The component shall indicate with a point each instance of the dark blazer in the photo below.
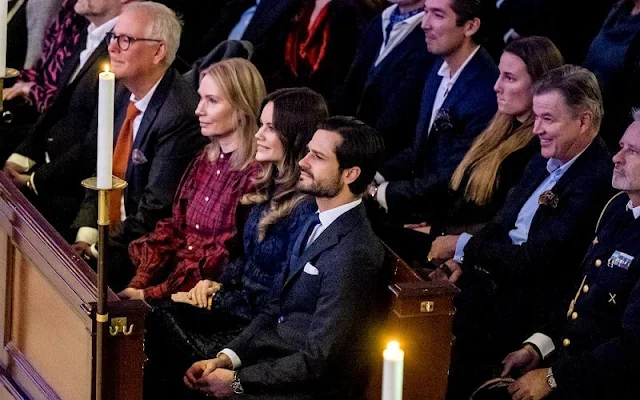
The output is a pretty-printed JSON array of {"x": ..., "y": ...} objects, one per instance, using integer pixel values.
[
  {"x": 267, "y": 30},
  {"x": 61, "y": 133},
  {"x": 167, "y": 140},
  {"x": 602, "y": 359},
  {"x": 429, "y": 163},
  {"x": 386, "y": 96},
  {"x": 532, "y": 279},
  {"x": 305, "y": 339}
]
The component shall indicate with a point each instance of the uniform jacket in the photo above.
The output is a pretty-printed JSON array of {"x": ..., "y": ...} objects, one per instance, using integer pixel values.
[
  {"x": 386, "y": 96},
  {"x": 600, "y": 349},
  {"x": 429, "y": 163},
  {"x": 306, "y": 339},
  {"x": 167, "y": 140},
  {"x": 532, "y": 279}
]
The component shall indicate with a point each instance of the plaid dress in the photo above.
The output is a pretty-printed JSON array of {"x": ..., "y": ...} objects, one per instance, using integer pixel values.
[{"x": 196, "y": 242}]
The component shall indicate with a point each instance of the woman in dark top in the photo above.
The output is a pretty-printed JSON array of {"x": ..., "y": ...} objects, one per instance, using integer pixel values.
[
  {"x": 215, "y": 312},
  {"x": 614, "y": 57},
  {"x": 494, "y": 163}
]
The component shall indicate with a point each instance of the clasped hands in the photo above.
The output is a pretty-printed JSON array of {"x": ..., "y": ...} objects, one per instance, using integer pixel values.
[
  {"x": 16, "y": 174},
  {"x": 211, "y": 377},
  {"x": 442, "y": 251},
  {"x": 200, "y": 296},
  {"x": 533, "y": 384}
]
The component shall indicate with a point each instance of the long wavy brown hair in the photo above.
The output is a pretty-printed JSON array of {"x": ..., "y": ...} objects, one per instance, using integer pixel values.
[
  {"x": 296, "y": 113},
  {"x": 501, "y": 138}
]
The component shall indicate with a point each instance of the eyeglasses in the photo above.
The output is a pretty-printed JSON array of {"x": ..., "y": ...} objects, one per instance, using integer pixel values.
[{"x": 125, "y": 41}]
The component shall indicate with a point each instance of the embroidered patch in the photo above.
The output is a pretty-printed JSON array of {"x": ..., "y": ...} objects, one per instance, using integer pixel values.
[{"x": 620, "y": 260}]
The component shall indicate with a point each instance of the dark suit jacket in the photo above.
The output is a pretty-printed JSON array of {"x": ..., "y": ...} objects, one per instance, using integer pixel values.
[
  {"x": 603, "y": 357},
  {"x": 306, "y": 339},
  {"x": 429, "y": 163},
  {"x": 167, "y": 140},
  {"x": 61, "y": 133},
  {"x": 386, "y": 96},
  {"x": 267, "y": 30},
  {"x": 532, "y": 279}
]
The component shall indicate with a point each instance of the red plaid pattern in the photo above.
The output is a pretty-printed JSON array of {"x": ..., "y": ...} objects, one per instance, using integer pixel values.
[{"x": 194, "y": 243}]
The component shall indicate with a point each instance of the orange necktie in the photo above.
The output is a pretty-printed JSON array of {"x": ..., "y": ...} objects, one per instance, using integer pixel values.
[{"x": 121, "y": 155}]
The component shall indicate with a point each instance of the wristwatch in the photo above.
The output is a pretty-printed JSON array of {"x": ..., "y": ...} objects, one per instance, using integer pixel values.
[
  {"x": 236, "y": 386},
  {"x": 551, "y": 380}
]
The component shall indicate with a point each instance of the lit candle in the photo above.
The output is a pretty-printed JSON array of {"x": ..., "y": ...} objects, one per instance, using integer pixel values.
[
  {"x": 4, "y": 9},
  {"x": 106, "y": 88},
  {"x": 392, "y": 371}
]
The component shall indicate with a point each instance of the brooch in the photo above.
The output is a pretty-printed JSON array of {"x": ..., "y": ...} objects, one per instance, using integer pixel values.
[{"x": 549, "y": 199}]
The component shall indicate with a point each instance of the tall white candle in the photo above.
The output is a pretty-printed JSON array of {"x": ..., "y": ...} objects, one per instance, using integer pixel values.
[
  {"x": 392, "y": 371},
  {"x": 4, "y": 10},
  {"x": 106, "y": 96}
]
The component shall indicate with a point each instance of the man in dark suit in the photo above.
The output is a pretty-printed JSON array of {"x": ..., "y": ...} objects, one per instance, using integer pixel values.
[
  {"x": 305, "y": 341},
  {"x": 384, "y": 85},
  {"x": 517, "y": 269},
  {"x": 165, "y": 132},
  {"x": 458, "y": 102},
  {"x": 598, "y": 339},
  {"x": 52, "y": 160}
]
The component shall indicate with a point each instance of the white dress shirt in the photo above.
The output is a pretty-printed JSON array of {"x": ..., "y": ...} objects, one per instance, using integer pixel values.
[
  {"x": 95, "y": 36},
  {"x": 398, "y": 33}
]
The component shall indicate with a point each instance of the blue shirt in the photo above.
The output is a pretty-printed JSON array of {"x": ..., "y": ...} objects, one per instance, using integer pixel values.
[
  {"x": 238, "y": 31},
  {"x": 520, "y": 233}
]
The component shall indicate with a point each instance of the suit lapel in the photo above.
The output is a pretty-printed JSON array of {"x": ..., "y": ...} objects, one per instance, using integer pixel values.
[
  {"x": 461, "y": 85},
  {"x": 73, "y": 61},
  {"x": 267, "y": 14},
  {"x": 327, "y": 239},
  {"x": 398, "y": 53},
  {"x": 426, "y": 105},
  {"x": 98, "y": 54}
]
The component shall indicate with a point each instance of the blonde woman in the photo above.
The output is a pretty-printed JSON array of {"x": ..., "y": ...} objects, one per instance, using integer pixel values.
[{"x": 202, "y": 234}]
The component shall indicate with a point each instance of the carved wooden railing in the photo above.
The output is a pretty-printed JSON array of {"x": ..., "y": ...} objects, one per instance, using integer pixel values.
[{"x": 46, "y": 323}]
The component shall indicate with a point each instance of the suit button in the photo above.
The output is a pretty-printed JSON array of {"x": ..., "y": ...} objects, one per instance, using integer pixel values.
[
  {"x": 280, "y": 320},
  {"x": 598, "y": 263},
  {"x": 574, "y": 316},
  {"x": 566, "y": 342},
  {"x": 585, "y": 289}
]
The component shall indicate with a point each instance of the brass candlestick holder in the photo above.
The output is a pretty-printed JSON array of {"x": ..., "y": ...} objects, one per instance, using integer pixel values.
[
  {"x": 8, "y": 74},
  {"x": 102, "y": 313}
]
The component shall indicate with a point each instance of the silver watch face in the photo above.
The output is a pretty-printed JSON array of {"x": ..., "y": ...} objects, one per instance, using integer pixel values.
[{"x": 551, "y": 381}]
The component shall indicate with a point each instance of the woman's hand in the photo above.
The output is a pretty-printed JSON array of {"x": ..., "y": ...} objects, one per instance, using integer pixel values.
[{"x": 201, "y": 294}]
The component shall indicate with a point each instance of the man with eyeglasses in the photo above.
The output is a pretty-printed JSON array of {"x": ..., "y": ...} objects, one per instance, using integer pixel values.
[
  {"x": 50, "y": 162},
  {"x": 157, "y": 133}
]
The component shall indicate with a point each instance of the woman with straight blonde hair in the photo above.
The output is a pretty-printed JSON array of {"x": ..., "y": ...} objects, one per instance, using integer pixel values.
[
  {"x": 202, "y": 234},
  {"x": 496, "y": 160}
]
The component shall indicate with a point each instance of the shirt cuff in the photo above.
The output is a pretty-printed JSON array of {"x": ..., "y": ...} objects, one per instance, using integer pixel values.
[
  {"x": 87, "y": 234},
  {"x": 542, "y": 342},
  {"x": 235, "y": 360},
  {"x": 381, "y": 195},
  {"x": 379, "y": 178},
  {"x": 23, "y": 162},
  {"x": 460, "y": 245}
]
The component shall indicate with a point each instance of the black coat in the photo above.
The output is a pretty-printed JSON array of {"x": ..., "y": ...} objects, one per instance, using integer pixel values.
[{"x": 530, "y": 280}]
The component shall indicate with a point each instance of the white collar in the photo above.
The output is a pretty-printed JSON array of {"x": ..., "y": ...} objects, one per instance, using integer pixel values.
[
  {"x": 553, "y": 164},
  {"x": 386, "y": 16},
  {"x": 143, "y": 103},
  {"x": 445, "y": 71},
  {"x": 327, "y": 217},
  {"x": 99, "y": 32},
  {"x": 634, "y": 210}
]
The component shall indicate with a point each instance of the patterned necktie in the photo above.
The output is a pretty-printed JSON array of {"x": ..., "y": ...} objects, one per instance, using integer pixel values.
[{"x": 121, "y": 155}]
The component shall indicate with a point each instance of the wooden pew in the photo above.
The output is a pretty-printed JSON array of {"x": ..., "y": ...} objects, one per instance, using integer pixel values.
[
  {"x": 46, "y": 326},
  {"x": 419, "y": 317}
]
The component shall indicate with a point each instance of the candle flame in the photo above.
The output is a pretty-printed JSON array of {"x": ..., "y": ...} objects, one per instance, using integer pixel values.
[
  {"x": 107, "y": 67},
  {"x": 393, "y": 345}
]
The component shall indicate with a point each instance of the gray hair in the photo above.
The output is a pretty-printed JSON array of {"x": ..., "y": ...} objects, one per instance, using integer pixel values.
[
  {"x": 578, "y": 86},
  {"x": 164, "y": 25}
]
